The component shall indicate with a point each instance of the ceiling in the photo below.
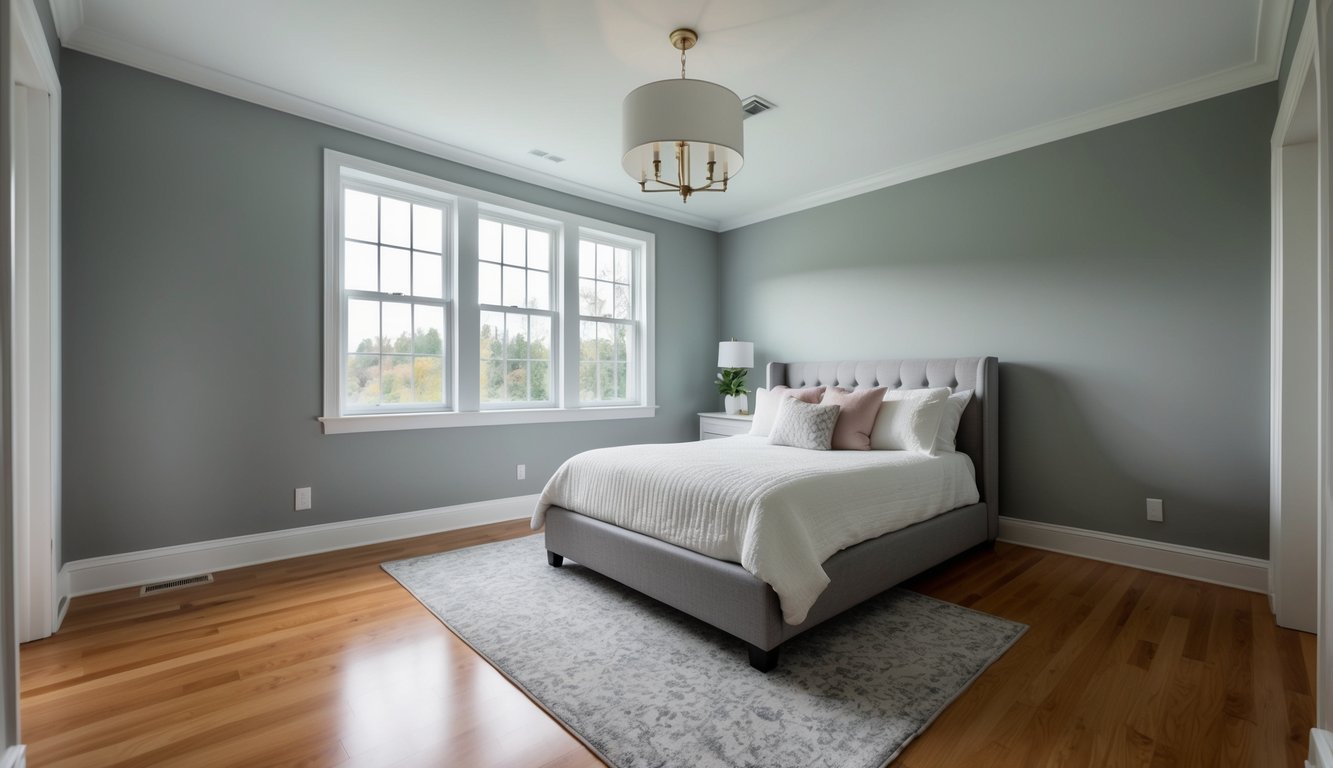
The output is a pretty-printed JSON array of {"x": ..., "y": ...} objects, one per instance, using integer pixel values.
[{"x": 868, "y": 92}]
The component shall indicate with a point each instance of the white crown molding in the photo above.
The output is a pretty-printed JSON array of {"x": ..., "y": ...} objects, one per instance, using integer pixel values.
[
  {"x": 97, "y": 43},
  {"x": 30, "y": 28},
  {"x": 68, "y": 16},
  {"x": 1271, "y": 33},
  {"x": 100, "y": 574},
  {"x": 1247, "y": 573},
  {"x": 1142, "y": 106},
  {"x": 1302, "y": 59},
  {"x": 1269, "y": 38}
]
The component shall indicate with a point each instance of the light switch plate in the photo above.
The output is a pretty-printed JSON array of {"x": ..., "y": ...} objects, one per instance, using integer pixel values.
[{"x": 1154, "y": 510}]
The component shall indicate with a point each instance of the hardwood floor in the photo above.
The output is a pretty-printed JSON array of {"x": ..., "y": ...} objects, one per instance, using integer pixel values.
[{"x": 325, "y": 660}]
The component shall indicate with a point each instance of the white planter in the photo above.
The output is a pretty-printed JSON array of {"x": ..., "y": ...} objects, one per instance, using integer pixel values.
[{"x": 736, "y": 404}]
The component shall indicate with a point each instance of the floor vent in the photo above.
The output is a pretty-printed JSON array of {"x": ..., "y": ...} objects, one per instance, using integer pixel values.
[
  {"x": 163, "y": 586},
  {"x": 753, "y": 105}
]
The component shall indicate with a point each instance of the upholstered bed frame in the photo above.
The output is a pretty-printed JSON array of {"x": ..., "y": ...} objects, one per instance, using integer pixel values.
[{"x": 727, "y": 596}]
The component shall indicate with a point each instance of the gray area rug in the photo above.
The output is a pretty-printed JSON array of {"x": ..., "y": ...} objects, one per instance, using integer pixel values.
[{"x": 645, "y": 685}]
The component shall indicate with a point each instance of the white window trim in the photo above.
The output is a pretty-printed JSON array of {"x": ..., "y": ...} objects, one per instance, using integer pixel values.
[
  {"x": 642, "y": 294},
  {"x": 447, "y": 302},
  {"x": 388, "y": 422},
  {"x": 463, "y": 409},
  {"x": 556, "y": 276}
]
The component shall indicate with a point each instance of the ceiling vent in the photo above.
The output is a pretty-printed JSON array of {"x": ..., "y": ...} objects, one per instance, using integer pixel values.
[
  {"x": 543, "y": 153},
  {"x": 753, "y": 105}
]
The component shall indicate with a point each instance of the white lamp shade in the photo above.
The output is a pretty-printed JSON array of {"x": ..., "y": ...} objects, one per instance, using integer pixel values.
[
  {"x": 735, "y": 354},
  {"x": 704, "y": 114}
]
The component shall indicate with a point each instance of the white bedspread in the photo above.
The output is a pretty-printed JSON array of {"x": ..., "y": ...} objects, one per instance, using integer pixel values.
[{"x": 780, "y": 512}]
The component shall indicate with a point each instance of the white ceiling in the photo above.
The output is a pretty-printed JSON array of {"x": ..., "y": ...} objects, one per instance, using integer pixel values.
[{"x": 869, "y": 92}]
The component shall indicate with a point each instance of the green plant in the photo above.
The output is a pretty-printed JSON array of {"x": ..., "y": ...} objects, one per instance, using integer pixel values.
[{"x": 731, "y": 381}]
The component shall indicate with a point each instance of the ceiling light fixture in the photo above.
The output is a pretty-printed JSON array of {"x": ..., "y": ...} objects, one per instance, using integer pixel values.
[{"x": 697, "y": 121}]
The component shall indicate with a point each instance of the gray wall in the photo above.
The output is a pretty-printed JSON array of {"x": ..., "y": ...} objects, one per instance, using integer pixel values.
[
  {"x": 1121, "y": 277},
  {"x": 192, "y": 306}
]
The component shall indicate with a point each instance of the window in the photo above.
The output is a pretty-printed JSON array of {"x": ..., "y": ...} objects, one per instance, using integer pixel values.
[
  {"x": 450, "y": 306},
  {"x": 393, "y": 298},
  {"x": 608, "y": 325},
  {"x": 515, "y": 293}
]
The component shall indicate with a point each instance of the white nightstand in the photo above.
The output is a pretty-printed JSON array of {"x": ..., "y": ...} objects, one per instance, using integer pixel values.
[{"x": 715, "y": 425}]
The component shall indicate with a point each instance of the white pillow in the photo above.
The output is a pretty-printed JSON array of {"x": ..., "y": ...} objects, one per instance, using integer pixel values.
[
  {"x": 804, "y": 425},
  {"x": 908, "y": 420},
  {"x": 765, "y": 410},
  {"x": 949, "y": 421},
  {"x": 766, "y": 402}
]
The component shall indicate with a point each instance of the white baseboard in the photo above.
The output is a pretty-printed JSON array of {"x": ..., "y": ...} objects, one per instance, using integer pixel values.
[
  {"x": 1321, "y": 749},
  {"x": 1246, "y": 573},
  {"x": 63, "y": 596},
  {"x": 100, "y": 574},
  {"x": 14, "y": 757}
]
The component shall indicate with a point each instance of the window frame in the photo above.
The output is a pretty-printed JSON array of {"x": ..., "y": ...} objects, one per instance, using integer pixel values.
[
  {"x": 635, "y": 322},
  {"x": 446, "y": 301},
  {"x": 556, "y": 277},
  {"x": 463, "y": 311}
]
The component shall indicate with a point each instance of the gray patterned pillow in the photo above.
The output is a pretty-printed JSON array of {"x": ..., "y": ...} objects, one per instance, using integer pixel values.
[{"x": 804, "y": 425}]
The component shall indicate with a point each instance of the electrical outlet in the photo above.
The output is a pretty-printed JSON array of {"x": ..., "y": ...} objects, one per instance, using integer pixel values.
[
  {"x": 302, "y": 499},
  {"x": 1154, "y": 510},
  {"x": 522, "y": 471}
]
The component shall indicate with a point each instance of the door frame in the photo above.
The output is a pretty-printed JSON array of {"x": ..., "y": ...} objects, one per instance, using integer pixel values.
[
  {"x": 1294, "y": 468},
  {"x": 36, "y": 102},
  {"x": 1319, "y": 19}
]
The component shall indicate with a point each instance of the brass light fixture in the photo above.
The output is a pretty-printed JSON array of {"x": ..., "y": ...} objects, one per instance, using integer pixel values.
[{"x": 695, "y": 124}]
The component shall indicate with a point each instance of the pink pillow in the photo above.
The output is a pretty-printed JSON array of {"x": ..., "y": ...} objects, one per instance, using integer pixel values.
[
  {"x": 857, "y": 418},
  {"x": 766, "y": 402},
  {"x": 808, "y": 395}
]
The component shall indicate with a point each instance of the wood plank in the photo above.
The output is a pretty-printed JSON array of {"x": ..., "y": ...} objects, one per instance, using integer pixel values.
[{"x": 325, "y": 660}]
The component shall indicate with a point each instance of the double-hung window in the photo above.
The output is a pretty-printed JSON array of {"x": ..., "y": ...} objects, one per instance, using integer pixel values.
[
  {"x": 516, "y": 295},
  {"x": 608, "y": 321},
  {"x": 394, "y": 300},
  {"x": 450, "y": 306}
]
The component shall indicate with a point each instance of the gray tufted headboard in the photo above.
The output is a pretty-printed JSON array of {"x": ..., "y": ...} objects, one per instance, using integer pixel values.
[{"x": 979, "y": 431}]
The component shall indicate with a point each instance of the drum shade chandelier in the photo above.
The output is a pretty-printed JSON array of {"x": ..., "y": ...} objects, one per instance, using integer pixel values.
[{"x": 693, "y": 127}]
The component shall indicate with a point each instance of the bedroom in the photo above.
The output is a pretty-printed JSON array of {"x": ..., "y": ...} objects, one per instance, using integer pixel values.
[{"x": 1086, "y": 195}]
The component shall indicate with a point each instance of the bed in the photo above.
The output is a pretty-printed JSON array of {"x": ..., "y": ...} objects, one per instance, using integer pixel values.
[{"x": 727, "y": 596}]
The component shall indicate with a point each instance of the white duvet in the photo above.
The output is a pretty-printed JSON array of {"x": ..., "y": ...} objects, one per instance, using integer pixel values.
[{"x": 780, "y": 512}]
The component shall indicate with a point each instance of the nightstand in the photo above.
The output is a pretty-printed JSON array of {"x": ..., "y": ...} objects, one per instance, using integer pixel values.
[{"x": 715, "y": 425}]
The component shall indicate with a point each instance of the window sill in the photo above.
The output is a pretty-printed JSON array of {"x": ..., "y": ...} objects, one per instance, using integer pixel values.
[{"x": 388, "y": 422}]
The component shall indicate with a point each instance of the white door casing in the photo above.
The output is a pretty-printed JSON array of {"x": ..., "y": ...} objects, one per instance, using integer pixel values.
[
  {"x": 1294, "y": 467},
  {"x": 35, "y": 335}
]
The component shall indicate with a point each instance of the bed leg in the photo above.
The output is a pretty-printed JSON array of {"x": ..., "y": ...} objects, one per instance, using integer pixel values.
[
  {"x": 554, "y": 560},
  {"x": 762, "y": 660}
]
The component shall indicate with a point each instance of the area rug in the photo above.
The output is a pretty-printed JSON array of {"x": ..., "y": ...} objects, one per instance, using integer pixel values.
[{"x": 645, "y": 685}]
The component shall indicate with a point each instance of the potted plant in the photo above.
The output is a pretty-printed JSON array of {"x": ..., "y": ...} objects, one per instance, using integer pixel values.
[{"x": 731, "y": 383}]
